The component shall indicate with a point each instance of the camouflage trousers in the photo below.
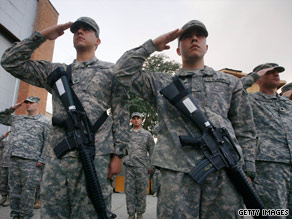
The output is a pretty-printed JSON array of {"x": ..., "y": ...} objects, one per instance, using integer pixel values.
[
  {"x": 136, "y": 183},
  {"x": 4, "y": 188},
  {"x": 38, "y": 188},
  {"x": 24, "y": 176},
  {"x": 272, "y": 183},
  {"x": 181, "y": 197},
  {"x": 290, "y": 201},
  {"x": 63, "y": 190},
  {"x": 156, "y": 180}
]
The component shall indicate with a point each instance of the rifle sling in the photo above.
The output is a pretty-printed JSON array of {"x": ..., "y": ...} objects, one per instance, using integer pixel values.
[
  {"x": 79, "y": 106},
  {"x": 65, "y": 145}
]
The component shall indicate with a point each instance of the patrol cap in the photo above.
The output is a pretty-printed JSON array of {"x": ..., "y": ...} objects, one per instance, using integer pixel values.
[
  {"x": 32, "y": 99},
  {"x": 287, "y": 87},
  {"x": 269, "y": 65},
  {"x": 137, "y": 114},
  {"x": 87, "y": 21},
  {"x": 194, "y": 24}
]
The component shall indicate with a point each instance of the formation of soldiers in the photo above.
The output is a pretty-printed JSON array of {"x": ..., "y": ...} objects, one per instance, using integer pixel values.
[{"x": 260, "y": 124}]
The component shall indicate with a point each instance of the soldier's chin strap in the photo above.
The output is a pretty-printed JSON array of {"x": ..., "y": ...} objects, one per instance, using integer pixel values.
[{"x": 215, "y": 143}]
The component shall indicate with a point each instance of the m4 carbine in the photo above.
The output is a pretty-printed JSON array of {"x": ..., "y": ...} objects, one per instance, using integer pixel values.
[
  {"x": 79, "y": 136},
  {"x": 215, "y": 143}
]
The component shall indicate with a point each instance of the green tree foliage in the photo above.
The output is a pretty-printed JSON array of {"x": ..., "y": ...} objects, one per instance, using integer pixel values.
[{"x": 155, "y": 63}]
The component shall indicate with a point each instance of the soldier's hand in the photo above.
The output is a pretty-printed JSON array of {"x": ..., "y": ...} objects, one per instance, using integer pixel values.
[
  {"x": 39, "y": 164},
  {"x": 53, "y": 32},
  {"x": 115, "y": 166},
  {"x": 150, "y": 171},
  {"x": 265, "y": 71},
  {"x": 162, "y": 41},
  {"x": 6, "y": 134},
  {"x": 16, "y": 106}
]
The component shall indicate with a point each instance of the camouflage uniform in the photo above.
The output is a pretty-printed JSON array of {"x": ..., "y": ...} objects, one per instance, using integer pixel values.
[
  {"x": 63, "y": 192},
  {"x": 287, "y": 87},
  {"x": 272, "y": 116},
  {"x": 287, "y": 90},
  {"x": 156, "y": 178},
  {"x": 4, "y": 163},
  {"x": 28, "y": 137},
  {"x": 137, "y": 163},
  {"x": 223, "y": 100}
]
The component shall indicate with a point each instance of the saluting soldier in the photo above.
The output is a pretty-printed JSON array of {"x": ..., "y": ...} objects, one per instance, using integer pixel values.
[
  {"x": 273, "y": 120},
  {"x": 63, "y": 192},
  {"x": 224, "y": 102},
  {"x": 27, "y": 141}
]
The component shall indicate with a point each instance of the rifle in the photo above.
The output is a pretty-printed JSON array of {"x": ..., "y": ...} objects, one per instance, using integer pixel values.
[
  {"x": 79, "y": 136},
  {"x": 215, "y": 144}
]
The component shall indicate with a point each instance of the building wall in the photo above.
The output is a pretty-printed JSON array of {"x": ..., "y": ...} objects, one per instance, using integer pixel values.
[
  {"x": 46, "y": 16},
  {"x": 18, "y": 16},
  {"x": 16, "y": 23}
]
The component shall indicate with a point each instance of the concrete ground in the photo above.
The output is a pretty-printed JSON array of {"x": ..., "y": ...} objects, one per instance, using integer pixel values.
[{"x": 118, "y": 207}]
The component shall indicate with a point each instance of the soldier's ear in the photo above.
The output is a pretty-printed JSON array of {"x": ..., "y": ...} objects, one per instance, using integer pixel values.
[{"x": 98, "y": 42}]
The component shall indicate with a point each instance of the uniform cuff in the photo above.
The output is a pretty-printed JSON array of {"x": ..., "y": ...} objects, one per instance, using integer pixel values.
[
  {"x": 255, "y": 76},
  {"x": 149, "y": 46}
]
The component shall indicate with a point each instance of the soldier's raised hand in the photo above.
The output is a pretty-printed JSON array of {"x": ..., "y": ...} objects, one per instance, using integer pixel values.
[
  {"x": 265, "y": 71},
  {"x": 5, "y": 135},
  {"x": 16, "y": 106},
  {"x": 162, "y": 41},
  {"x": 53, "y": 32}
]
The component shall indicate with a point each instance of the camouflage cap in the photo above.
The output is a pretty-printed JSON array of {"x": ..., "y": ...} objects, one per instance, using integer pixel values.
[
  {"x": 32, "y": 99},
  {"x": 287, "y": 87},
  {"x": 194, "y": 24},
  {"x": 269, "y": 65},
  {"x": 87, "y": 21},
  {"x": 137, "y": 114}
]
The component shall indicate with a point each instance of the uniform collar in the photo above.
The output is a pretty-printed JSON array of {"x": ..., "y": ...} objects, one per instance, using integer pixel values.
[
  {"x": 33, "y": 117},
  {"x": 136, "y": 130},
  {"x": 269, "y": 96},
  {"x": 78, "y": 64},
  {"x": 206, "y": 71}
]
